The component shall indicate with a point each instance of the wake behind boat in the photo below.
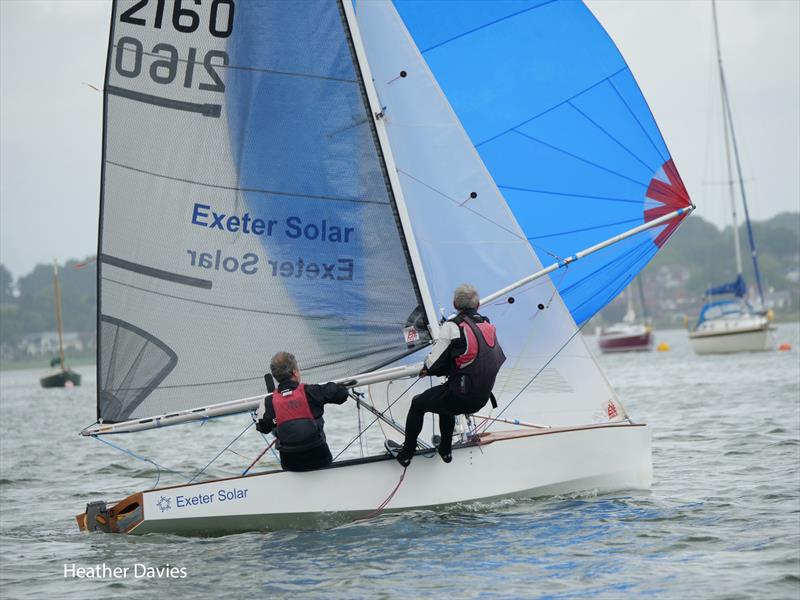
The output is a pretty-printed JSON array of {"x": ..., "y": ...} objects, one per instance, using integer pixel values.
[{"x": 351, "y": 177}]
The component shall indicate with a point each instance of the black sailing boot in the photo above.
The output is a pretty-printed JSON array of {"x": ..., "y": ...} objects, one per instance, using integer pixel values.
[
  {"x": 398, "y": 452},
  {"x": 437, "y": 443}
]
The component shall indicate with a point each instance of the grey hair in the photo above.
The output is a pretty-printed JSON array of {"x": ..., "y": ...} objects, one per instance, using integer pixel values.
[
  {"x": 466, "y": 297},
  {"x": 282, "y": 365}
]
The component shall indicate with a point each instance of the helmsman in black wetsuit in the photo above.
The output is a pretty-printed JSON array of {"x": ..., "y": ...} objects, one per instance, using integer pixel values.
[
  {"x": 294, "y": 411},
  {"x": 468, "y": 354}
]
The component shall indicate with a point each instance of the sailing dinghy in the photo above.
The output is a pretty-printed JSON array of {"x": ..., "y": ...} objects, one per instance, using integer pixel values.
[{"x": 318, "y": 178}]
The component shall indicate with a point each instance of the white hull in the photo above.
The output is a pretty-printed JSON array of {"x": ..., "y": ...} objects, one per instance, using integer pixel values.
[
  {"x": 734, "y": 340},
  {"x": 514, "y": 464}
]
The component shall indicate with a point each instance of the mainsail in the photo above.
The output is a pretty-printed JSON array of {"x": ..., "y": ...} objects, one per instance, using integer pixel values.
[{"x": 245, "y": 208}]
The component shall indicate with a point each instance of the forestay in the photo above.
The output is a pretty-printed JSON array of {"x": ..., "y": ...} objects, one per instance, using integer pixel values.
[
  {"x": 245, "y": 207},
  {"x": 557, "y": 118}
]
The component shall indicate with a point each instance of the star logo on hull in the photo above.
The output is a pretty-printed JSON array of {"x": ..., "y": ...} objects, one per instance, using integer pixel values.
[{"x": 164, "y": 504}]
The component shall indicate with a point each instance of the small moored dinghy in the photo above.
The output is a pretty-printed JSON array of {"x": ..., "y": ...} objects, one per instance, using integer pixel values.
[{"x": 63, "y": 376}]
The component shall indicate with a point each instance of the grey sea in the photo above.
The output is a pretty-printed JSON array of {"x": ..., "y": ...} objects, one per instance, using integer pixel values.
[{"x": 722, "y": 519}]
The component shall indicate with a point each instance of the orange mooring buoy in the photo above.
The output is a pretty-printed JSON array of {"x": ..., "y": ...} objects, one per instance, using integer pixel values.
[
  {"x": 663, "y": 347},
  {"x": 785, "y": 347}
]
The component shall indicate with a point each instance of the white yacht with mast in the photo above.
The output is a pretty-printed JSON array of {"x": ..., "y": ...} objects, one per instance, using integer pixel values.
[{"x": 733, "y": 324}]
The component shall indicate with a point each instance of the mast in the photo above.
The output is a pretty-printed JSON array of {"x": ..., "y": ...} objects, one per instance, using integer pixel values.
[
  {"x": 641, "y": 296},
  {"x": 630, "y": 314},
  {"x": 731, "y": 191},
  {"x": 58, "y": 314},
  {"x": 727, "y": 127},
  {"x": 394, "y": 181}
]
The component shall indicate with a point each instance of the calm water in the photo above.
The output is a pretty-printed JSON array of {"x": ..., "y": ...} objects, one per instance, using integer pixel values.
[{"x": 721, "y": 521}]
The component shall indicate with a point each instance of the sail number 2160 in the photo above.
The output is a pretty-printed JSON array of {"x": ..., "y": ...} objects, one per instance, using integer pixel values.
[{"x": 184, "y": 18}]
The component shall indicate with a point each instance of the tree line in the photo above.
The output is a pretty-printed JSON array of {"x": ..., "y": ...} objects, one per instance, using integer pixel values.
[
  {"x": 708, "y": 253},
  {"x": 27, "y": 305}
]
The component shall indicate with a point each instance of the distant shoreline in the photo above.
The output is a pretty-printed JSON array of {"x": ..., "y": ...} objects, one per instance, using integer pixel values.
[
  {"x": 79, "y": 360},
  {"x": 83, "y": 360}
]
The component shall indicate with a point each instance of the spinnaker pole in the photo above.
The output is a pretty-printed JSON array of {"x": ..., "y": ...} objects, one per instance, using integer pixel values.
[
  {"x": 252, "y": 403},
  {"x": 583, "y": 253}
]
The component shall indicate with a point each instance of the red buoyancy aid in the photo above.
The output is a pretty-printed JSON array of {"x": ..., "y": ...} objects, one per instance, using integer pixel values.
[
  {"x": 477, "y": 367},
  {"x": 296, "y": 428}
]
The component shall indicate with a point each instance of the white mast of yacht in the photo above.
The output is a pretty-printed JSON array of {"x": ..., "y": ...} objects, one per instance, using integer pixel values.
[{"x": 725, "y": 121}]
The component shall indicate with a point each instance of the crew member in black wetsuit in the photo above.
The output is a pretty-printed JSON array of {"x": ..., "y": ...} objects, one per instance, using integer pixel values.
[
  {"x": 294, "y": 411},
  {"x": 468, "y": 354}
]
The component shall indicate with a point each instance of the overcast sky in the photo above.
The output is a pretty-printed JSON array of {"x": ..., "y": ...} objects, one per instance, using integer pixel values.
[{"x": 50, "y": 122}]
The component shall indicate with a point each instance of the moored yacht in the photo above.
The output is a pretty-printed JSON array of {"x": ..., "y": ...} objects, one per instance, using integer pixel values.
[
  {"x": 729, "y": 326},
  {"x": 733, "y": 325},
  {"x": 628, "y": 335}
]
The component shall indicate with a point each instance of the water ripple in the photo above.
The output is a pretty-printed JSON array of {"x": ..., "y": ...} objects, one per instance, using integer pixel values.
[{"x": 722, "y": 520}]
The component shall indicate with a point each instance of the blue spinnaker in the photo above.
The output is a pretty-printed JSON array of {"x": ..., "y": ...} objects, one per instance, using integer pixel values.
[{"x": 559, "y": 121}]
